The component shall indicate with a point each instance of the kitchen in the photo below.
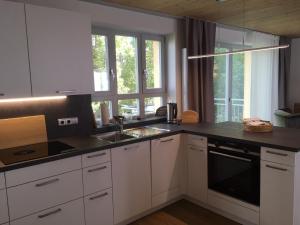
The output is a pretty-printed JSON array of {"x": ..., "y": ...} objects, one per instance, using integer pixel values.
[{"x": 85, "y": 134}]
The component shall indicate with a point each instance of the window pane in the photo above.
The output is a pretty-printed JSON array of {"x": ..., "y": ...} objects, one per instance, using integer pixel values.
[
  {"x": 127, "y": 64},
  {"x": 128, "y": 107},
  {"x": 152, "y": 104},
  {"x": 153, "y": 64},
  {"x": 97, "y": 110},
  {"x": 237, "y": 87},
  {"x": 100, "y": 63},
  {"x": 220, "y": 74}
]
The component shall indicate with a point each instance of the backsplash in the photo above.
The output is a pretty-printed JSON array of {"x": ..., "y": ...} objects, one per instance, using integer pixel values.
[{"x": 73, "y": 106}]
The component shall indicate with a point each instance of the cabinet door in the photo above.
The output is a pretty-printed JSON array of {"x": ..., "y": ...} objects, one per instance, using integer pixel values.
[
  {"x": 3, "y": 207},
  {"x": 14, "y": 64},
  {"x": 165, "y": 164},
  {"x": 277, "y": 188},
  {"x": 131, "y": 180},
  {"x": 71, "y": 213},
  {"x": 197, "y": 173},
  {"x": 60, "y": 51},
  {"x": 99, "y": 208}
]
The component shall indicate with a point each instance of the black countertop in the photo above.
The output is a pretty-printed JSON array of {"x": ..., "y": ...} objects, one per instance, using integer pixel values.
[{"x": 281, "y": 138}]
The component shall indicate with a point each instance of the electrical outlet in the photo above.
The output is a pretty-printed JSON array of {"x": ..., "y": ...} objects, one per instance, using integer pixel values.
[{"x": 67, "y": 121}]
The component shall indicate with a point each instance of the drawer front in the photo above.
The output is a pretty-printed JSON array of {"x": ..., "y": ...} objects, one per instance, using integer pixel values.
[
  {"x": 99, "y": 208},
  {"x": 95, "y": 158},
  {"x": 71, "y": 213},
  {"x": 3, "y": 207},
  {"x": 278, "y": 156},
  {"x": 2, "y": 181},
  {"x": 32, "y": 173},
  {"x": 45, "y": 193},
  {"x": 97, "y": 178},
  {"x": 198, "y": 141}
]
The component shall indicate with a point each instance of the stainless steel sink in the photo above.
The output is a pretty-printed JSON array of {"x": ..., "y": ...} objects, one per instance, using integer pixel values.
[
  {"x": 145, "y": 131},
  {"x": 114, "y": 137}
]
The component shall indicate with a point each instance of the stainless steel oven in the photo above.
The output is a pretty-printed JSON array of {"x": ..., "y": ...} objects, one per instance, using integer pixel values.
[{"x": 234, "y": 169}]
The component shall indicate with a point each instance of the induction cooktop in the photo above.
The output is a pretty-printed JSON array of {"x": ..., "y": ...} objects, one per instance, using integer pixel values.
[{"x": 35, "y": 151}]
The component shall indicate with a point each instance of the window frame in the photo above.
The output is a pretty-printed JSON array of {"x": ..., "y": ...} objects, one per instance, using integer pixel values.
[{"x": 143, "y": 92}]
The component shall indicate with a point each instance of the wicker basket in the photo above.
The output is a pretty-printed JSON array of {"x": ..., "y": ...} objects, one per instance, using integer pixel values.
[{"x": 257, "y": 126}]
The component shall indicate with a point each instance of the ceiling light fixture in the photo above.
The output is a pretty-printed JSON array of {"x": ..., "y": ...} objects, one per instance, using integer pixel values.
[
  {"x": 33, "y": 99},
  {"x": 239, "y": 51}
]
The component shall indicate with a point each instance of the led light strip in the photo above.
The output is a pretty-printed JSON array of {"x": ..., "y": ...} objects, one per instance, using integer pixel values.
[
  {"x": 239, "y": 51},
  {"x": 32, "y": 99}
]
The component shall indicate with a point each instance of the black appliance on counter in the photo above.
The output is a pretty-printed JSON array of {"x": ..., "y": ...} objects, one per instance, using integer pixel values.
[
  {"x": 34, "y": 151},
  {"x": 234, "y": 170}
]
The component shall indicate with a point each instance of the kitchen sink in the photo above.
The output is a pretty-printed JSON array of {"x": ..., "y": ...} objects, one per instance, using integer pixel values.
[
  {"x": 114, "y": 137},
  {"x": 145, "y": 131}
]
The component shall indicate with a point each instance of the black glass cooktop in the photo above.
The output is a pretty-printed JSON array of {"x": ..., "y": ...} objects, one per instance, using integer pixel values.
[{"x": 34, "y": 151}]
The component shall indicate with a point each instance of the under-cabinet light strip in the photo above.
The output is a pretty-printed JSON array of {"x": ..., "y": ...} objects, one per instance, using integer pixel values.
[
  {"x": 32, "y": 99},
  {"x": 239, "y": 51}
]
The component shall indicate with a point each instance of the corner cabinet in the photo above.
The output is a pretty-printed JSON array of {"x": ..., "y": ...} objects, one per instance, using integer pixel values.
[
  {"x": 131, "y": 180},
  {"x": 60, "y": 51},
  {"x": 14, "y": 64},
  {"x": 165, "y": 165}
]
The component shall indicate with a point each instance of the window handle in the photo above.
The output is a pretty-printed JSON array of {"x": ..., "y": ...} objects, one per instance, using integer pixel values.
[
  {"x": 112, "y": 73},
  {"x": 146, "y": 73}
]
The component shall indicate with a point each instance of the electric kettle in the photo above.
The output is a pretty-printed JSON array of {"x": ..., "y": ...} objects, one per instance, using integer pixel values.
[{"x": 172, "y": 112}]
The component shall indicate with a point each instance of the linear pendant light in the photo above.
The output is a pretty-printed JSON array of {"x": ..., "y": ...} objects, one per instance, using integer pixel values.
[{"x": 239, "y": 51}]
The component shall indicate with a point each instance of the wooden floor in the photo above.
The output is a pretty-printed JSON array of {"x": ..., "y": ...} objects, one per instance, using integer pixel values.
[{"x": 184, "y": 213}]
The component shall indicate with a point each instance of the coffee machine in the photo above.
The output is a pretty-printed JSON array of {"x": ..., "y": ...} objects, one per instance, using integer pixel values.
[{"x": 172, "y": 112}]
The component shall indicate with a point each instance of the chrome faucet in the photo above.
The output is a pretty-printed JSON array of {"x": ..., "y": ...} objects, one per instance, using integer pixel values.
[{"x": 119, "y": 120}]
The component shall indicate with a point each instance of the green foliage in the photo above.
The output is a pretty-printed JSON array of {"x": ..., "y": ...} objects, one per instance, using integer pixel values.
[{"x": 99, "y": 53}]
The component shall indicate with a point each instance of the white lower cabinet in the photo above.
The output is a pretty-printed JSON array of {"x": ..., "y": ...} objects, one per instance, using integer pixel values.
[
  {"x": 71, "y": 213},
  {"x": 165, "y": 166},
  {"x": 197, "y": 173},
  {"x": 99, "y": 208},
  {"x": 3, "y": 207},
  {"x": 277, "y": 194},
  {"x": 131, "y": 175}
]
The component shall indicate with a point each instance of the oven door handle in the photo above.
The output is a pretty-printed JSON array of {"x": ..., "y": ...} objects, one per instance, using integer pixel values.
[
  {"x": 231, "y": 156},
  {"x": 225, "y": 148}
]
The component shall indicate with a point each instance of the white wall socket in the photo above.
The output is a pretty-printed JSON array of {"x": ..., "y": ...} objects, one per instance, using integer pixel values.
[{"x": 67, "y": 121}]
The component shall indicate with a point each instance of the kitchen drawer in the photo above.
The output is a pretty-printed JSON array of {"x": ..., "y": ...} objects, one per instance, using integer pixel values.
[
  {"x": 3, "y": 207},
  {"x": 99, "y": 208},
  {"x": 195, "y": 140},
  {"x": 95, "y": 158},
  {"x": 32, "y": 173},
  {"x": 2, "y": 181},
  {"x": 71, "y": 213},
  {"x": 97, "y": 178},
  {"x": 42, "y": 194},
  {"x": 278, "y": 156}
]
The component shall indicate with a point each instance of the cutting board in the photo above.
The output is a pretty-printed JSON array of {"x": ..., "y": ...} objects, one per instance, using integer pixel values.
[{"x": 20, "y": 131}]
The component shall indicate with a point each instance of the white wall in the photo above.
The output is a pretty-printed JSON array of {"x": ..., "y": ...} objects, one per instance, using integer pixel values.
[{"x": 294, "y": 79}]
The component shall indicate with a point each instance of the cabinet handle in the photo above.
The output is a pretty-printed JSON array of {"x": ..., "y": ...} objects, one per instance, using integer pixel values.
[
  {"x": 277, "y": 153},
  {"x": 168, "y": 140},
  {"x": 2, "y": 94},
  {"x": 97, "y": 169},
  {"x": 196, "y": 149},
  {"x": 96, "y": 155},
  {"x": 49, "y": 213},
  {"x": 99, "y": 196},
  {"x": 131, "y": 148},
  {"x": 65, "y": 91},
  {"x": 276, "y": 168},
  {"x": 47, "y": 182}
]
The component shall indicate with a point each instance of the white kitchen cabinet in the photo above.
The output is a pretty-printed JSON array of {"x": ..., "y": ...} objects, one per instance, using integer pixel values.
[
  {"x": 45, "y": 193},
  {"x": 197, "y": 173},
  {"x": 71, "y": 213},
  {"x": 95, "y": 158},
  {"x": 3, "y": 207},
  {"x": 277, "y": 194},
  {"x": 131, "y": 176},
  {"x": 14, "y": 64},
  {"x": 99, "y": 208},
  {"x": 2, "y": 181},
  {"x": 165, "y": 166},
  {"x": 60, "y": 51}
]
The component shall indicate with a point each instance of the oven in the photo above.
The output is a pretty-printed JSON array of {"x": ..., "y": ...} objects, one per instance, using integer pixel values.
[{"x": 234, "y": 170}]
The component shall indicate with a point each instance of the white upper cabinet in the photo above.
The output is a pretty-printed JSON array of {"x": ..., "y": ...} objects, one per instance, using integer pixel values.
[
  {"x": 14, "y": 64},
  {"x": 60, "y": 51}
]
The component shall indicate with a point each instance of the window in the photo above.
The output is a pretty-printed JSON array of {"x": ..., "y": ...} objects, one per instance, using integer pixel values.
[
  {"x": 229, "y": 85},
  {"x": 128, "y": 73}
]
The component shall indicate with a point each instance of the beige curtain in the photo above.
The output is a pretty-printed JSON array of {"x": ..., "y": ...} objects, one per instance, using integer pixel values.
[{"x": 200, "y": 39}]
